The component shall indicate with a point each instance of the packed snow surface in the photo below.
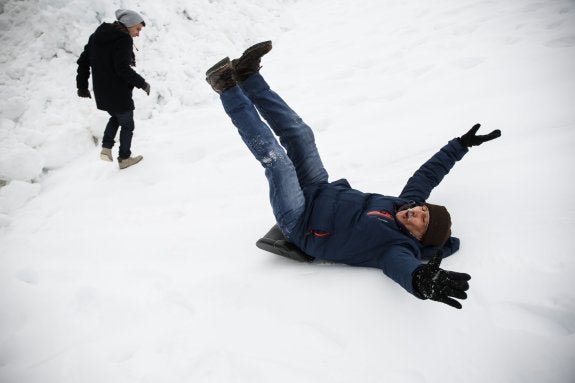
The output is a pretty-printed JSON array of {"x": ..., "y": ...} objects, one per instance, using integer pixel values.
[{"x": 150, "y": 274}]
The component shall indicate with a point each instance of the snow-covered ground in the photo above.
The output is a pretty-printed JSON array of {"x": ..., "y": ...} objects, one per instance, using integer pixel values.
[{"x": 150, "y": 274}]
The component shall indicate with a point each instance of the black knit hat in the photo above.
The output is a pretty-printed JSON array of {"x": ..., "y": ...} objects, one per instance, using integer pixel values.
[{"x": 439, "y": 228}]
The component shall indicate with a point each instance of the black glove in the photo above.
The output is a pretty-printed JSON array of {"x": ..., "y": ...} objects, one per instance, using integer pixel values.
[
  {"x": 470, "y": 139},
  {"x": 147, "y": 89},
  {"x": 437, "y": 284},
  {"x": 84, "y": 93}
]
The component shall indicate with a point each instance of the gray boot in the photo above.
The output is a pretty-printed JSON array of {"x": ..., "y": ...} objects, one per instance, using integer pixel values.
[
  {"x": 127, "y": 162},
  {"x": 106, "y": 155}
]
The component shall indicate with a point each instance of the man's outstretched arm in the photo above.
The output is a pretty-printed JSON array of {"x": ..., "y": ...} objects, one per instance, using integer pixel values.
[
  {"x": 430, "y": 174},
  {"x": 83, "y": 73}
]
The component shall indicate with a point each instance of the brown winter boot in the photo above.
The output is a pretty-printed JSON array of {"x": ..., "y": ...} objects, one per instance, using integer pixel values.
[
  {"x": 249, "y": 62},
  {"x": 220, "y": 76}
]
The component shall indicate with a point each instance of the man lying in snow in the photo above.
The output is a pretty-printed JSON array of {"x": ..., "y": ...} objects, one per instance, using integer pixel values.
[{"x": 332, "y": 221}]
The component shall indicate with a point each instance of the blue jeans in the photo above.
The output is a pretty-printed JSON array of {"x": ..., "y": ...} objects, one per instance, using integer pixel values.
[
  {"x": 288, "y": 170},
  {"x": 126, "y": 121}
]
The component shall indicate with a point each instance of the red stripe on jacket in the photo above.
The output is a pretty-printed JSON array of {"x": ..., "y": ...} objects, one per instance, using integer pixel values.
[{"x": 381, "y": 214}]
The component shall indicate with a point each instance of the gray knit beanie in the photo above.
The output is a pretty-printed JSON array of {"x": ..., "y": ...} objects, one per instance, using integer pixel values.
[{"x": 129, "y": 18}]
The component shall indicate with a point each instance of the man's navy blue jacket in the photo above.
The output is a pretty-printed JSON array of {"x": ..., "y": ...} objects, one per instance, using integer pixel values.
[
  {"x": 344, "y": 225},
  {"x": 110, "y": 54}
]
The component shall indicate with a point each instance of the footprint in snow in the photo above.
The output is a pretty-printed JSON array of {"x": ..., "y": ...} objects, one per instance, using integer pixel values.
[
  {"x": 562, "y": 42},
  {"x": 535, "y": 319},
  {"x": 468, "y": 62},
  {"x": 192, "y": 155},
  {"x": 122, "y": 353},
  {"x": 28, "y": 275}
]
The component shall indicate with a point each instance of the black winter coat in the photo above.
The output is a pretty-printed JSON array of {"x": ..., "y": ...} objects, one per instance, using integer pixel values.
[{"x": 110, "y": 54}]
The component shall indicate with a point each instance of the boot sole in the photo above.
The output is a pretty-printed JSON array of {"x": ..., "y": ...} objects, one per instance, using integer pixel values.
[
  {"x": 218, "y": 66},
  {"x": 266, "y": 45},
  {"x": 106, "y": 158},
  {"x": 254, "y": 52},
  {"x": 249, "y": 62}
]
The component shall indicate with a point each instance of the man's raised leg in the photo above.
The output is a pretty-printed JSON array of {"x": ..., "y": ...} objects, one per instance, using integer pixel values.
[
  {"x": 294, "y": 134},
  {"x": 286, "y": 196}
]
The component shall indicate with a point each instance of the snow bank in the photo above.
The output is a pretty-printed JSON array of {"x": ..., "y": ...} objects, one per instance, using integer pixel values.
[{"x": 44, "y": 125}]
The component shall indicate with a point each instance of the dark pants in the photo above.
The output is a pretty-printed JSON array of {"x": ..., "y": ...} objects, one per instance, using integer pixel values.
[{"x": 125, "y": 120}]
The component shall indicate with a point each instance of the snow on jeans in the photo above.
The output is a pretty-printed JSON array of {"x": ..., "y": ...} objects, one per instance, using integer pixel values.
[{"x": 287, "y": 173}]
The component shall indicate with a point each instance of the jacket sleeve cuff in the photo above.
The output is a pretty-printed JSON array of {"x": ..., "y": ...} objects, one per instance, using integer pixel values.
[{"x": 460, "y": 149}]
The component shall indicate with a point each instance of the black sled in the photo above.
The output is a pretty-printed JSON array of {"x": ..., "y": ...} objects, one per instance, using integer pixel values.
[{"x": 275, "y": 242}]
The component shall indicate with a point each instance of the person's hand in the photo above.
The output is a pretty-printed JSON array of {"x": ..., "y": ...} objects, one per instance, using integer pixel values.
[
  {"x": 147, "y": 89},
  {"x": 85, "y": 93},
  {"x": 440, "y": 285},
  {"x": 470, "y": 138}
]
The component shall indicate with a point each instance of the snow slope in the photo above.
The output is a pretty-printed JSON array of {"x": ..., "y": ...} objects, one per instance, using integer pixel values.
[{"x": 151, "y": 274}]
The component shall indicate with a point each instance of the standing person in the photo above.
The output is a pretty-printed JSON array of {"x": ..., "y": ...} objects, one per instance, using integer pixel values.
[
  {"x": 110, "y": 54},
  {"x": 332, "y": 221}
]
